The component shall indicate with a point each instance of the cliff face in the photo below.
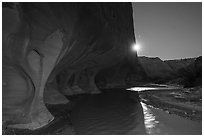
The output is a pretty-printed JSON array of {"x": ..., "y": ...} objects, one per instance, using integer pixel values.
[
  {"x": 58, "y": 48},
  {"x": 179, "y": 63},
  {"x": 187, "y": 72},
  {"x": 155, "y": 68},
  {"x": 126, "y": 73}
]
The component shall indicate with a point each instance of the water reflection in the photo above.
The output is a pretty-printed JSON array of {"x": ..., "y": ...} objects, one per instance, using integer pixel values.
[
  {"x": 151, "y": 88},
  {"x": 149, "y": 119},
  {"x": 141, "y": 88},
  {"x": 114, "y": 113},
  {"x": 158, "y": 122},
  {"x": 109, "y": 113}
]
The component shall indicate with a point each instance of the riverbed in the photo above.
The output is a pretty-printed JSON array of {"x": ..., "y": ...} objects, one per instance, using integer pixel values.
[
  {"x": 158, "y": 122},
  {"x": 165, "y": 115},
  {"x": 114, "y": 112}
]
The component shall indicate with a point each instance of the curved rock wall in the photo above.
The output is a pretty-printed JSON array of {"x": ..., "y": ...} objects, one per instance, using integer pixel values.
[
  {"x": 124, "y": 74},
  {"x": 60, "y": 46}
]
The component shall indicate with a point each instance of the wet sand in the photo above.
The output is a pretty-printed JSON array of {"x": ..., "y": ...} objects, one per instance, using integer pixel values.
[
  {"x": 184, "y": 102},
  {"x": 61, "y": 125}
]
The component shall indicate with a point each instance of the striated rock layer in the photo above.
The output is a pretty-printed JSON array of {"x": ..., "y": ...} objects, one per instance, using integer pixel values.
[
  {"x": 186, "y": 72},
  {"x": 55, "y": 49},
  {"x": 155, "y": 68}
]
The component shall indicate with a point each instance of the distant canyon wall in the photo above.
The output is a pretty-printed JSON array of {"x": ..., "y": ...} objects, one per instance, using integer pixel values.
[{"x": 187, "y": 72}]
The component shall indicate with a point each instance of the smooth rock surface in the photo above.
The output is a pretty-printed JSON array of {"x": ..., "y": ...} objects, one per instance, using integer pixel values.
[{"x": 62, "y": 43}]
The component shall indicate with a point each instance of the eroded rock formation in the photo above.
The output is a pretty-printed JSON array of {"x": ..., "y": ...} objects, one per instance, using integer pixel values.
[
  {"x": 155, "y": 67},
  {"x": 189, "y": 71},
  {"x": 56, "y": 49},
  {"x": 124, "y": 74},
  {"x": 186, "y": 72}
]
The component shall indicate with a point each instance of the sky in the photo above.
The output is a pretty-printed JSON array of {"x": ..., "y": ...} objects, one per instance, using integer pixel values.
[{"x": 168, "y": 30}]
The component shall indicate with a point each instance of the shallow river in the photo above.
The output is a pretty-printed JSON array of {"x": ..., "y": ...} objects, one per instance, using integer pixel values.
[
  {"x": 158, "y": 122},
  {"x": 114, "y": 113}
]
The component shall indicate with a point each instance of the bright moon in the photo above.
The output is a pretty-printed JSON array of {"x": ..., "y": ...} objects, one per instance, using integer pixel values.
[{"x": 136, "y": 47}]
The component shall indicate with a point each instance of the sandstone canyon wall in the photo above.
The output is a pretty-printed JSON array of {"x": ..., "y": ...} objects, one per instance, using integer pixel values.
[
  {"x": 56, "y": 49},
  {"x": 189, "y": 71},
  {"x": 186, "y": 72},
  {"x": 124, "y": 74},
  {"x": 155, "y": 68}
]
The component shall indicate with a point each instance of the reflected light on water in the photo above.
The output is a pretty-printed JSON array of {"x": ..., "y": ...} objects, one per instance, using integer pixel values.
[
  {"x": 159, "y": 122},
  {"x": 151, "y": 88},
  {"x": 142, "y": 88},
  {"x": 149, "y": 119}
]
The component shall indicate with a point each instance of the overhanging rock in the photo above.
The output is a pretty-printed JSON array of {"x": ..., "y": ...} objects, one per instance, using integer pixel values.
[{"x": 62, "y": 43}]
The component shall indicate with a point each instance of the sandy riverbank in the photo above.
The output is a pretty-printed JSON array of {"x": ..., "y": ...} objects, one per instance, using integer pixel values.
[{"x": 185, "y": 102}]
